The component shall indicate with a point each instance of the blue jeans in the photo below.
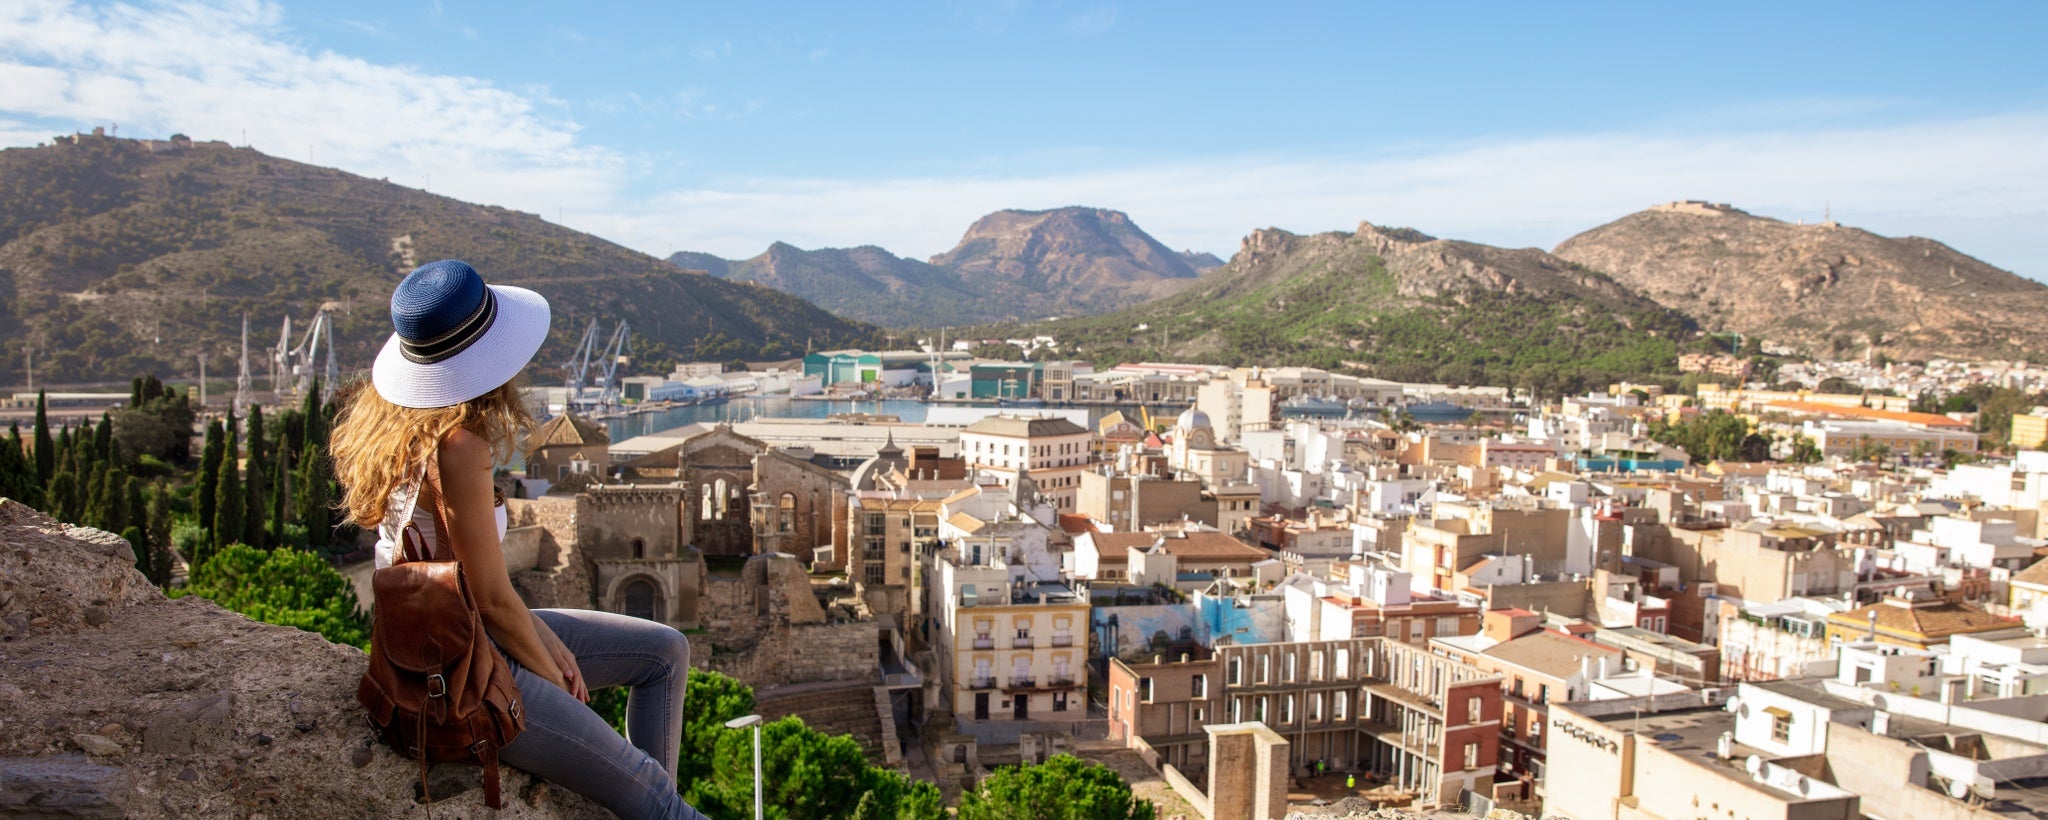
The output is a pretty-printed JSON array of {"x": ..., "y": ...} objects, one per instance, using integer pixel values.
[{"x": 568, "y": 744}]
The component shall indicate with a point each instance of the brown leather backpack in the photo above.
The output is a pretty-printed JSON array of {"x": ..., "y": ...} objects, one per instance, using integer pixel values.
[{"x": 436, "y": 689}]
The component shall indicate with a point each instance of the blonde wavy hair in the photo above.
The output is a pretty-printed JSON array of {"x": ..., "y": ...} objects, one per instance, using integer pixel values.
[{"x": 377, "y": 445}]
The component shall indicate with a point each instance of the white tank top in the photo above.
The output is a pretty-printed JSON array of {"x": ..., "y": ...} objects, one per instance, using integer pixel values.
[{"x": 404, "y": 508}]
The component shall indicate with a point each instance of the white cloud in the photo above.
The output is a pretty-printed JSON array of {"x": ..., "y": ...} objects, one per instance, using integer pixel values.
[
  {"x": 223, "y": 70},
  {"x": 212, "y": 70}
]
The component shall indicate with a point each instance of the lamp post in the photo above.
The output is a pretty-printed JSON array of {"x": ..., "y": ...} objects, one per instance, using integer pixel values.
[{"x": 742, "y": 723}]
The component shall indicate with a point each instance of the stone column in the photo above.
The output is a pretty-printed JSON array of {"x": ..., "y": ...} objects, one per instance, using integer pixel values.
[{"x": 1247, "y": 772}]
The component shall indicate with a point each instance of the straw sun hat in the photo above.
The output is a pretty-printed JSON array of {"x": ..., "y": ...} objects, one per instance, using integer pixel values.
[{"x": 455, "y": 337}]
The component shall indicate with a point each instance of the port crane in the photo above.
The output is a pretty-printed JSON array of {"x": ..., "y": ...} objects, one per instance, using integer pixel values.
[
  {"x": 578, "y": 366},
  {"x": 293, "y": 367}
]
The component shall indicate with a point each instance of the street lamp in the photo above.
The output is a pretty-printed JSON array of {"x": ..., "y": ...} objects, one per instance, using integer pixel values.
[{"x": 742, "y": 723}]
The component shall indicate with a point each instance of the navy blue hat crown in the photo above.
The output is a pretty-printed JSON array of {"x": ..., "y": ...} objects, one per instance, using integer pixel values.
[{"x": 440, "y": 310}]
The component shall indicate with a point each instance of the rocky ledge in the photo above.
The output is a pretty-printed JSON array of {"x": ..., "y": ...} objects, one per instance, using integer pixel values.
[{"x": 116, "y": 701}]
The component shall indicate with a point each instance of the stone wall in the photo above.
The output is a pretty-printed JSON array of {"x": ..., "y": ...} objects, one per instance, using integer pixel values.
[
  {"x": 799, "y": 654},
  {"x": 116, "y": 701}
]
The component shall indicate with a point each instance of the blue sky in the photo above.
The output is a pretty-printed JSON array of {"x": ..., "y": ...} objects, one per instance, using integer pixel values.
[{"x": 722, "y": 127}]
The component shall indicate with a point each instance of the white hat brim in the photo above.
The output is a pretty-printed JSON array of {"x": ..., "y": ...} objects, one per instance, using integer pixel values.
[{"x": 504, "y": 350}]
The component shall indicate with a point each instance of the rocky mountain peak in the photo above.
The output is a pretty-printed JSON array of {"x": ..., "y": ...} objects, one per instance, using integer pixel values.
[{"x": 1798, "y": 284}]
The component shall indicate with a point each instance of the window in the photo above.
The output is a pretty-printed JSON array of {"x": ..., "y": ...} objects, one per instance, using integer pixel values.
[
  {"x": 1543, "y": 693},
  {"x": 1343, "y": 664},
  {"x": 1236, "y": 671},
  {"x": 1198, "y": 714},
  {"x": 1446, "y": 627},
  {"x": 1287, "y": 709},
  {"x": 1339, "y": 702},
  {"x": 1781, "y": 724},
  {"x": 1414, "y": 629},
  {"x": 1198, "y": 686},
  {"x": 1145, "y": 689},
  {"x": 1315, "y": 665},
  {"x": 1471, "y": 755},
  {"x": 1290, "y": 668},
  {"x": 1472, "y": 710},
  {"x": 1536, "y": 727},
  {"x": 1265, "y": 668},
  {"x": 1315, "y": 708},
  {"x": 873, "y": 573}
]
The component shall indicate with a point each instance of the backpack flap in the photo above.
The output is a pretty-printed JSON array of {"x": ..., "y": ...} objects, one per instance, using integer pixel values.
[{"x": 413, "y": 628}]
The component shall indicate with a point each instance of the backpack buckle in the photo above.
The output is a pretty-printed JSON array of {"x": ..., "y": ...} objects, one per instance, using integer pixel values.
[{"x": 437, "y": 686}]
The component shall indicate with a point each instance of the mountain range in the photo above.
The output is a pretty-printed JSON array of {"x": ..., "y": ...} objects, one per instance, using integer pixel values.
[
  {"x": 1010, "y": 265},
  {"x": 127, "y": 256},
  {"x": 121, "y": 256}
]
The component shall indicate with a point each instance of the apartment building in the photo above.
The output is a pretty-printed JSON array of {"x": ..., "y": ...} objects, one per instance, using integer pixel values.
[
  {"x": 1010, "y": 648},
  {"x": 1423, "y": 723},
  {"x": 1053, "y": 451}
]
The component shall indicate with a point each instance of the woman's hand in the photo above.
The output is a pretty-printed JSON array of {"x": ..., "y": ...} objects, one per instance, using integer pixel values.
[{"x": 572, "y": 675}]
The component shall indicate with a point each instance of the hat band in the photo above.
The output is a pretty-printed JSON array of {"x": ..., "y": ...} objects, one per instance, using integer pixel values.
[{"x": 445, "y": 346}]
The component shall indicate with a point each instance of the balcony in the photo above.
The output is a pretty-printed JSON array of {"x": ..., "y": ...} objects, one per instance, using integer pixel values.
[
  {"x": 984, "y": 642},
  {"x": 1062, "y": 640},
  {"x": 982, "y": 683},
  {"x": 1064, "y": 682},
  {"x": 1022, "y": 683},
  {"x": 1021, "y": 643}
]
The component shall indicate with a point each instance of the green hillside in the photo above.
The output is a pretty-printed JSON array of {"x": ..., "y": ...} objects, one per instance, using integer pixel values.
[
  {"x": 126, "y": 256},
  {"x": 1395, "y": 304}
]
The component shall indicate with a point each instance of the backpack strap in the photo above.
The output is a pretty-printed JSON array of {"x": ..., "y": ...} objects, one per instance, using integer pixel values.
[{"x": 433, "y": 481}]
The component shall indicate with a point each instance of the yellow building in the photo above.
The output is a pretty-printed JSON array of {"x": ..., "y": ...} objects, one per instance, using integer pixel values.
[
  {"x": 1008, "y": 649},
  {"x": 2030, "y": 429}
]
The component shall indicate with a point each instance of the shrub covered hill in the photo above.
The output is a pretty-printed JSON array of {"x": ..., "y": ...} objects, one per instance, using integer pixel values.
[
  {"x": 1825, "y": 289},
  {"x": 121, "y": 256},
  {"x": 1398, "y": 304},
  {"x": 1010, "y": 265}
]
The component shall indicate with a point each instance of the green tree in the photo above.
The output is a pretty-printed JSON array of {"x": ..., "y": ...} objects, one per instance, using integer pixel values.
[
  {"x": 159, "y": 534},
  {"x": 255, "y": 484},
  {"x": 210, "y": 458},
  {"x": 18, "y": 470},
  {"x": 313, "y": 486},
  {"x": 1062, "y": 788},
  {"x": 809, "y": 776},
  {"x": 159, "y": 426},
  {"x": 711, "y": 700},
  {"x": 46, "y": 450},
  {"x": 286, "y": 587},
  {"x": 229, "y": 498}
]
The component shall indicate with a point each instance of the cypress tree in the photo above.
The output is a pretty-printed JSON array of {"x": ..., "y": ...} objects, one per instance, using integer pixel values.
[
  {"x": 256, "y": 484},
  {"x": 316, "y": 422},
  {"x": 159, "y": 570},
  {"x": 18, "y": 470},
  {"x": 134, "y": 505},
  {"x": 135, "y": 392},
  {"x": 277, "y": 496},
  {"x": 97, "y": 510},
  {"x": 227, "y": 513},
  {"x": 313, "y": 510},
  {"x": 209, "y": 474},
  {"x": 46, "y": 450},
  {"x": 103, "y": 438},
  {"x": 63, "y": 493}
]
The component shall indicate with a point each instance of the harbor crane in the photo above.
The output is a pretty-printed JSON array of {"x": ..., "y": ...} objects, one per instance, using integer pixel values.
[{"x": 293, "y": 368}]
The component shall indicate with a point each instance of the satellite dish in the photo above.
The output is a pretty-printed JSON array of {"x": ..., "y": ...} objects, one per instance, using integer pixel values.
[
  {"x": 1958, "y": 789},
  {"x": 1754, "y": 764}
]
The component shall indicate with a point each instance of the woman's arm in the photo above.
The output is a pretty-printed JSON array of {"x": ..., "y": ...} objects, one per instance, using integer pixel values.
[{"x": 466, "y": 481}]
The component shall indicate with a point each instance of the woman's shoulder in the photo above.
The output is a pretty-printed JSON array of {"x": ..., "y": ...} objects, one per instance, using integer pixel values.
[{"x": 464, "y": 448}]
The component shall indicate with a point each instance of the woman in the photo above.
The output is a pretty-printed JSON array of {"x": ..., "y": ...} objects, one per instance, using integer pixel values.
[{"x": 443, "y": 390}]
